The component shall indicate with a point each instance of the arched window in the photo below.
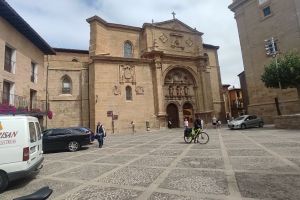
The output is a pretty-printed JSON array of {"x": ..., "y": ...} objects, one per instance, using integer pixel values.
[
  {"x": 128, "y": 93},
  {"x": 128, "y": 50},
  {"x": 66, "y": 84}
]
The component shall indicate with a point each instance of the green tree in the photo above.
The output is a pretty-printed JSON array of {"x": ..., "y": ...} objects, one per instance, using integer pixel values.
[{"x": 285, "y": 74}]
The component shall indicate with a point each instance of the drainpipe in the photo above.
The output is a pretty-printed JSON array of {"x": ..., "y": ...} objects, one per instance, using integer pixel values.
[{"x": 47, "y": 96}]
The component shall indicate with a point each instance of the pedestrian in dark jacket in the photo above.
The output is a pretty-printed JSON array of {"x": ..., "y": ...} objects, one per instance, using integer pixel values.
[{"x": 100, "y": 134}]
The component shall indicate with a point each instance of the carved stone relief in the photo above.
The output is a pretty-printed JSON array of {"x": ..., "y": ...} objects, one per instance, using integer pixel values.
[
  {"x": 139, "y": 90},
  {"x": 127, "y": 74},
  {"x": 116, "y": 90},
  {"x": 176, "y": 41},
  {"x": 189, "y": 42},
  {"x": 179, "y": 86},
  {"x": 163, "y": 38}
]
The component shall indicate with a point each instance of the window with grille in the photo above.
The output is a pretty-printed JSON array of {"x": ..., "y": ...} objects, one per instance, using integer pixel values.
[{"x": 66, "y": 85}]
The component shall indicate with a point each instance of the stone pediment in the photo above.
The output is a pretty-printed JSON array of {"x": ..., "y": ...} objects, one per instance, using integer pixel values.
[{"x": 177, "y": 25}]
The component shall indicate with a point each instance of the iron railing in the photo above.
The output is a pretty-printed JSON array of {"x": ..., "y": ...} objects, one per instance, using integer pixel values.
[{"x": 19, "y": 104}]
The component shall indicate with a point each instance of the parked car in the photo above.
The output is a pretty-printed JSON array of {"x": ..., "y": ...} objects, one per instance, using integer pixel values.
[
  {"x": 87, "y": 130},
  {"x": 65, "y": 138},
  {"x": 246, "y": 121}
]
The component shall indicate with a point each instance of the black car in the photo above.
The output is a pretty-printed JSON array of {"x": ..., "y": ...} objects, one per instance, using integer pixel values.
[
  {"x": 65, "y": 138},
  {"x": 86, "y": 130}
]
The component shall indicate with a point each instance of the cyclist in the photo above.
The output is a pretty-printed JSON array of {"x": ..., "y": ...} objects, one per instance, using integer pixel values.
[{"x": 197, "y": 126}]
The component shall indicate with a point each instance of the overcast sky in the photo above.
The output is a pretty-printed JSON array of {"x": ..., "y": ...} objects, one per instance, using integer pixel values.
[{"x": 63, "y": 23}]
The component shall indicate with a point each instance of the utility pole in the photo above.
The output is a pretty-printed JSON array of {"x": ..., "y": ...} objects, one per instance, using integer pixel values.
[{"x": 272, "y": 50}]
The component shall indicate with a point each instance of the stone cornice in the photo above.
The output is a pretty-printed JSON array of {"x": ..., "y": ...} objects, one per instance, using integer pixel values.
[
  {"x": 236, "y": 4},
  {"x": 152, "y": 54},
  {"x": 170, "y": 29},
  {"x": 120, "y": 59},
  {"x": 112, "y": 25},
  {"x": 181, "y": 57}
]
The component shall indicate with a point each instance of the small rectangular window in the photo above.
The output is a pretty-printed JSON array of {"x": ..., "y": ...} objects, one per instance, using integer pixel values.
[
  {"x": 32, "y": 132},
  {"x": 267, "y": 11},
  {"x": 33, "y": 76},
  {"x": 9, "y": 61}
]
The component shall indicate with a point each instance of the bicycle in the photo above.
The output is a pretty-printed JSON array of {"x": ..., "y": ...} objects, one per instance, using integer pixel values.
[{"x": 198, "y": 135}]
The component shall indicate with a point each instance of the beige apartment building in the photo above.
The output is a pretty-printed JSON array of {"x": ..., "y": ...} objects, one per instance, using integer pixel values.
[
  {"x": 257, "y": 21},
  {"x": 22, "y": 71}
]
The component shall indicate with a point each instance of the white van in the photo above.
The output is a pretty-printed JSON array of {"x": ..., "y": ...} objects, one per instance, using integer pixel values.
[{"x": 21, "y": 151}]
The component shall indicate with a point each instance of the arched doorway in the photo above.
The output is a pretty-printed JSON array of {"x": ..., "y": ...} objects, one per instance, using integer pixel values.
[
  {"x": 188, "y": 112},
  {"x": 173, "y": 115}
]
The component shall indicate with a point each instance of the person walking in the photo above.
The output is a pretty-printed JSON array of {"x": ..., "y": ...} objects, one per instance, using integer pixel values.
[
  {"x": 186, "y": 123},
  {"x": 100, "y": 134},
  {"x": 214, "y": 122},
  {"x": 133, "y": 127}
]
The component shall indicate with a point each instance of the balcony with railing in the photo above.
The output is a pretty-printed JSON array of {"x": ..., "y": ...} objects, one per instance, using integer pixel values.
[{"x": 14, "y": 104}]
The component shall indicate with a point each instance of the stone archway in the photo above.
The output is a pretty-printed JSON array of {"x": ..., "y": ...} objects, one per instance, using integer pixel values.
[
  {"x": 173, "y": 115},
  {"x": 188, "y": 112}
]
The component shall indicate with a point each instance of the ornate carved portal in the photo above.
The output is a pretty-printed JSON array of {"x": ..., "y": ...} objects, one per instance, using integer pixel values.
[{"x": 179, "y": 89}]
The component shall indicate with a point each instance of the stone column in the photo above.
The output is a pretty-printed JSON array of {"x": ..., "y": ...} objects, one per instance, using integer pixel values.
[
  {"x": 200, "y": 89},
  {"x": 160, "y": 108}
]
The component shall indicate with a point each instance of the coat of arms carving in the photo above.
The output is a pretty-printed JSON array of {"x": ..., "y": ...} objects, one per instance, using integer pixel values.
[{"x": 127, "y": 74}]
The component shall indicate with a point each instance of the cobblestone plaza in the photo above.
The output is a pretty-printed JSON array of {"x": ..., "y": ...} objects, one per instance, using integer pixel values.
[{"x": 241, "y": 164}]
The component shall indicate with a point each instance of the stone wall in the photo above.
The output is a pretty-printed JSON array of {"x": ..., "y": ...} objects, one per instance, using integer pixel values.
[
  {"x": 287, "y": 121},
  {"x": 268, "y": 110},
  {"x": 68, "y": 109}
]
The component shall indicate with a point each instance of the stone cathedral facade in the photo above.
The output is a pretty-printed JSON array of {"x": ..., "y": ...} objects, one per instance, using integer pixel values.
[{"x": 149, "y": 75}]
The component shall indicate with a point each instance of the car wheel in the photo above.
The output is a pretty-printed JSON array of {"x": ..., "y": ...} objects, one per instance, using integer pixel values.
[
  {"x": 261, "y": 124},
  {"x": 243, "y": 126},
  {"x": 3, "y": 181},
  {"x": 73, "y": 146}
]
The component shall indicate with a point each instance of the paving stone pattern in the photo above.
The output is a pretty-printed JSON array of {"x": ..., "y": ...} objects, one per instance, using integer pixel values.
[{"x": 237, "y": 165}]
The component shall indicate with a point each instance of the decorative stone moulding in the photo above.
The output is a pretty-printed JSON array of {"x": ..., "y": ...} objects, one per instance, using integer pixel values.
[{"x": 139, "y": 90}]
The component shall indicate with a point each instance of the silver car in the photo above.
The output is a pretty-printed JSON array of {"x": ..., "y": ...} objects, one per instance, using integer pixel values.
[{"x": 246, "y": 121}]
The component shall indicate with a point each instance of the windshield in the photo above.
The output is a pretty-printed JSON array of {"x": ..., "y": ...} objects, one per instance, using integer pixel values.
[{"x": 239, "y": 118}]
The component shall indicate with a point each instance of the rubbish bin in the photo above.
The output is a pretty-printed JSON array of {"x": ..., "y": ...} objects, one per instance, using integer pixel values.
[{"x": 147, "y": 126}]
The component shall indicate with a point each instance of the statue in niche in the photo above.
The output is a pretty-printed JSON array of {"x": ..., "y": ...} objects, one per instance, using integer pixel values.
[
  {"x": 178, "y": 91},
  {"x": 171, "y": 90},
  {"x": 174, "y": 91},
  {"x": 181, "y": 91},
  {"x": 186, "y": 91}
]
